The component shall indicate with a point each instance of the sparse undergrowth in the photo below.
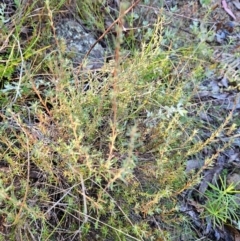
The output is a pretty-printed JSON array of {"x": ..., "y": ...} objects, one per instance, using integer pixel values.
[{"x": 103, "y": 163}]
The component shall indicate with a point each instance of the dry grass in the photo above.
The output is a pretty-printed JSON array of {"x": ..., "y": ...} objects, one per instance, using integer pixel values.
[{"x": 100, "y": 164}]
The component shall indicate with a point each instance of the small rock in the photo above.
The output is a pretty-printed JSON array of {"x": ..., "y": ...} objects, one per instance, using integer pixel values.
[{"x": 78, "y": 42}]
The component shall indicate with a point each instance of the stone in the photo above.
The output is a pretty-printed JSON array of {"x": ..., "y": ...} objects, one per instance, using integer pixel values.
[{"x": 78, "y": 42}]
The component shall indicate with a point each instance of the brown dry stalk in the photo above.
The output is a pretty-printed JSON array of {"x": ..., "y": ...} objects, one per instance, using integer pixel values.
[
  {"x": 115, "y": 87},
  {"x": 118, "y": 20},
  {"x": 40, "y": 98},
  {"x": 115, "y": 74}
]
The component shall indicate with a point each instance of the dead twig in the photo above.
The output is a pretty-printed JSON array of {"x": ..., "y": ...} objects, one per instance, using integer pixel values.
[{"x": 108, "y": 29}]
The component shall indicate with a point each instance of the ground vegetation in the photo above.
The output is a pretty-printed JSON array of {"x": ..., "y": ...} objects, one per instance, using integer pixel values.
[{"x": 134, "y": 137}]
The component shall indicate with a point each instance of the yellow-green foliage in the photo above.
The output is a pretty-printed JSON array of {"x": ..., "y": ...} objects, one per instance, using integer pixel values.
[{"x": 95, "y": 164}]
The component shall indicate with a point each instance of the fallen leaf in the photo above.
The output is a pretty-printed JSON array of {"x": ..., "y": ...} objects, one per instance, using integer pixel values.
[
  {"x": 224, "y": 82},
  {"x": 233, "y": 157},
  {"x": 198, "y": 206},
  {"x": 236, "y": 4},
  {"x": 214, "y": 86},
  {"x": 228, "y": 10},
  {"x": 219, "y": 96},
  {"x": 201, "y": 94},
  {"x": 211, "y": 176},
  {"x": 208, "y": 227}
]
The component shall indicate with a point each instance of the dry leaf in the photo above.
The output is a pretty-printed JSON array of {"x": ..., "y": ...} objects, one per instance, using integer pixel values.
[
  {"x": 233, "y": 157},
  {"x": 214, "y": 86},
  {"x": 224, "y": 82},
  {"x": 210, "y": 176},
  {"x": 227, "y": 9},
  {"x": 198, "y": 206},
  {"x": 220, "y": 96},
  {"x": 236, "y": 4}
]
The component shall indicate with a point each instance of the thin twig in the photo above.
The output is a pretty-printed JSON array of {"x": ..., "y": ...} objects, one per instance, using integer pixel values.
[
  {"x": 21, "y": 70},
  {"x": 84, "y": 201},
  {"x": 23, "y": 202},
  {"x": 108, "y": 29},
  {"x": 40, "y": 98}
]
